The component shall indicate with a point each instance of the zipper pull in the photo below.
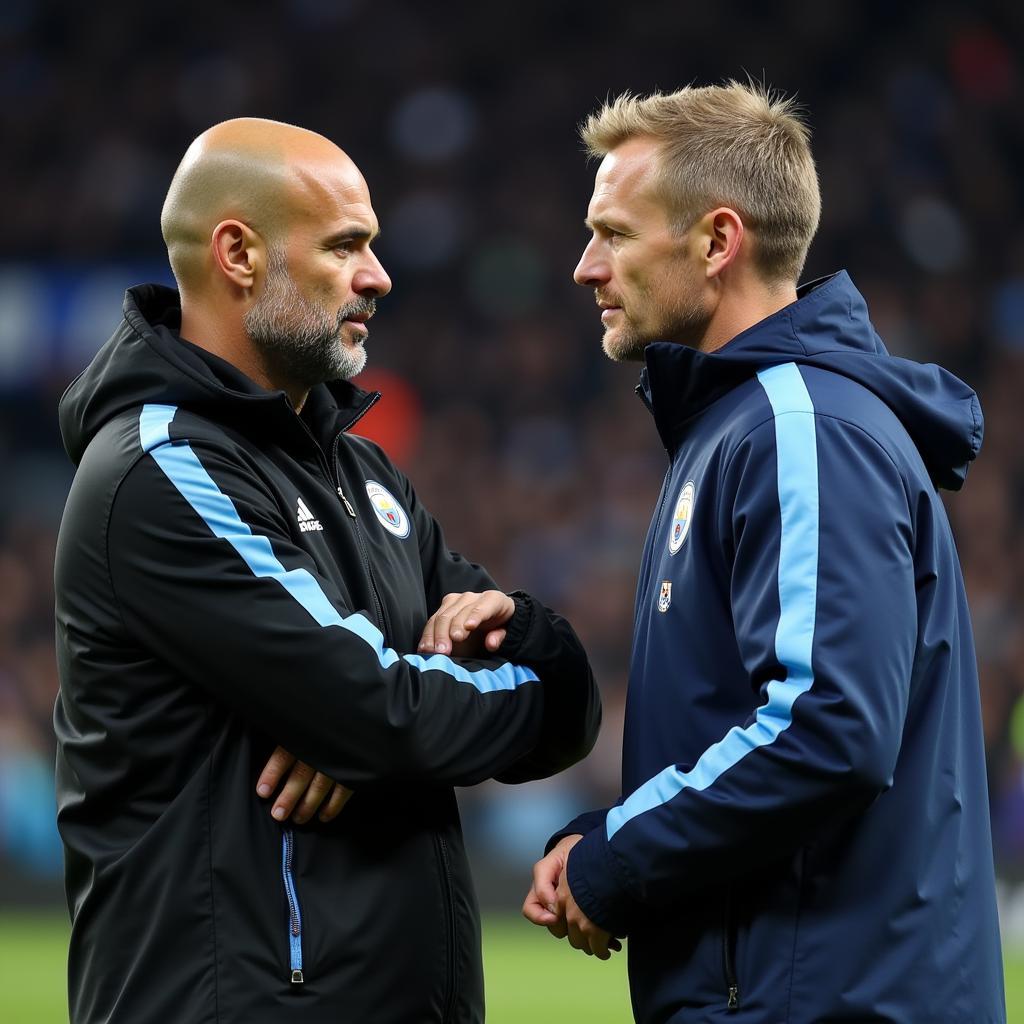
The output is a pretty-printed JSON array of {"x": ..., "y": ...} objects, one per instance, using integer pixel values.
[
  {"x": 348, "y": 507},
  {"x": 734, "y": 997},
  {"x": 297, "y": 978}
]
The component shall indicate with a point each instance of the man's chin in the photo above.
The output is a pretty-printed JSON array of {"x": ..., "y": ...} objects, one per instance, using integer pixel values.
[
  {"x": 623, "y": 349},
  {"x": 353, "y": 363}
]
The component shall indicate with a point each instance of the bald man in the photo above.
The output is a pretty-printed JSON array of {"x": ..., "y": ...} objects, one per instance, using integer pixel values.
[{"x": 259, "y": 624}]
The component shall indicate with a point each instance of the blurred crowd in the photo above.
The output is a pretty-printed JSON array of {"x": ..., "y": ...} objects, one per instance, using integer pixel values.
[{"x": 528, "y": 445}]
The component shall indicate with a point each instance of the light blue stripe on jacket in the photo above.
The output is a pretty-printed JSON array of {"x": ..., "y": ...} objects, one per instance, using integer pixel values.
[
  {"x": 797, "y": 474},
  {"x": 182, "y": 467}
]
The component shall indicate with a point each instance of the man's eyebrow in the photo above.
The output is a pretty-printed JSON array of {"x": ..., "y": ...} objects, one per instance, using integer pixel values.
[
  {"x": 356, "y": 233},
  {"x": 600, "y": 222}
]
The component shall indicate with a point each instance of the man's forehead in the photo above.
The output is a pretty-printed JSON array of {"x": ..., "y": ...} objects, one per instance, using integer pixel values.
[
  {"x": 333, "y": 193},
  {"x": 626, "y": 179}
]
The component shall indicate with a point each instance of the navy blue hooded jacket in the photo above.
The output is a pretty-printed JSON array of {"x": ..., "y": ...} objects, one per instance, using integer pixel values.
[{"x": 804, "y": 830}]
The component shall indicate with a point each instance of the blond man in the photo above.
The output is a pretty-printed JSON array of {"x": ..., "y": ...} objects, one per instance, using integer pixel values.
[{"x": 803, "y": 832}]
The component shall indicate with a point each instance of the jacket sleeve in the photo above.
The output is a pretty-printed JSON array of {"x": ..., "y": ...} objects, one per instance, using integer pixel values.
[
  {"x": 579, "y": 826},
  {"x": 815, "y": 524},
  {"x": 208, "y": 579},
  {"x": 545, "y": 642},
  {"x": 538, "y": 638}
]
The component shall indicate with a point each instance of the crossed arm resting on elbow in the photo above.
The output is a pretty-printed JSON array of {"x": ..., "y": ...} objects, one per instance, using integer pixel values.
[{"x": 465, "y": 625}]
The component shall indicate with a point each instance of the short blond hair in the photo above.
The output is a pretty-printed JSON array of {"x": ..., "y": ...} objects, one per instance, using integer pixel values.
[{"x": 736, "y": 145}]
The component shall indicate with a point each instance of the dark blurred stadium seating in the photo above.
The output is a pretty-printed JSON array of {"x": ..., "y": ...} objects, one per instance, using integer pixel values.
[{"x": 528, "y": 445}]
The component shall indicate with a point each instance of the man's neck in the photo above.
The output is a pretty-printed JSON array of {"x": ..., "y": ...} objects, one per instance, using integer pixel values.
[
  {"x": 233, "y": 345},
  {"x": 739, "y": 311}
]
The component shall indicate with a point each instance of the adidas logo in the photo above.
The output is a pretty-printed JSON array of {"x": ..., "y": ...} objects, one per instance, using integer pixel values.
[{"x": 307, "y": 521}]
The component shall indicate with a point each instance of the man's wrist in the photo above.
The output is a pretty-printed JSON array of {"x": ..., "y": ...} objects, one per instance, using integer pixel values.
[{"x": 607, "y": 903}]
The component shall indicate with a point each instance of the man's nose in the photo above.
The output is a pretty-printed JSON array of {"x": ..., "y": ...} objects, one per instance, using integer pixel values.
[
  {"x": 592, "y": 271},
  {"x": 372, "y": 280}
]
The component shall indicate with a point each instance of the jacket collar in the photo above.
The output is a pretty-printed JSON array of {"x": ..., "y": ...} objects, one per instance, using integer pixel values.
[
  {"x": 679, "y": 382},
  {"x": 329, "y": 409}
]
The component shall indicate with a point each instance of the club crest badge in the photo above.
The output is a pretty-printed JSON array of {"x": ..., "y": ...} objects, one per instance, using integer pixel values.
[
  {"x": 665, "y": 597},
  {"x": 681, "y": 518},
  {"x": 391, "y": 515}
]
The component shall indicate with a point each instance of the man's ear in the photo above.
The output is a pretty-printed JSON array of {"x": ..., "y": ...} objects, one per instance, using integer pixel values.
[
  {"x": 722, "y": 233},
  {"x": 238, "y": 252}
]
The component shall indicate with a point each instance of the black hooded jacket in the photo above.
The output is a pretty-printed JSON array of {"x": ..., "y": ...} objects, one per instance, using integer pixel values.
[{"x": 230, "y": 576}]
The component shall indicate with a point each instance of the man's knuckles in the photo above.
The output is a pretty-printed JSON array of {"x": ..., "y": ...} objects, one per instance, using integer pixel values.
[{"x": 301, "y": 774}]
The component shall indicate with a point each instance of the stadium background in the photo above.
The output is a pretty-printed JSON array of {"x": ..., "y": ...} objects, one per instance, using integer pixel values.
[{"x": 528, "y": 445}]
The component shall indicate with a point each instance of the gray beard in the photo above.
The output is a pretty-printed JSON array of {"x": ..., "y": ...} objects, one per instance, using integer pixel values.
[{"x": 300, "y": 340}]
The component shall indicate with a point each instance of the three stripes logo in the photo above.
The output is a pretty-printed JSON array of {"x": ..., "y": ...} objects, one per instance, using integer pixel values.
[{"x": 307, "y": 521}]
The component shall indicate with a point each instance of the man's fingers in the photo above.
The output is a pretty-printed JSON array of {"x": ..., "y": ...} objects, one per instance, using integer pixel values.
[
  {"x": 465, "y": 618},
  {"x": 435, "y": 632},
  {"x": 578, "y": 940},
  {"x": 536, "y": 912},
  {"x": 338, "y": 799},
  {"x": 546, "y": 873},
  {"x": 461, "y": 614},
  {"x": 280, "y": 761},
  {"x": 427, "y": 637},
  {"x": 442, "y": 632},
  {"x": 599, "y": 943},
  {"x": 559, "y": 929},
  {"x": 495, "y": 638},
  {"x": 303, "y": 792},
  {"x": 573, "y": 933},
  {"x": 298, "y": 781},
  {"x": 490, "y": 607},
  {"x": 542, "y": 904},
  {"x": 313, "y": 797},
  {"x": 452, "y": 627}
]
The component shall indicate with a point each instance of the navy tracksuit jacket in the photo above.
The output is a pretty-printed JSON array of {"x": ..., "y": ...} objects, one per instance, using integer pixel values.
[{"x": 804, "y": 830}]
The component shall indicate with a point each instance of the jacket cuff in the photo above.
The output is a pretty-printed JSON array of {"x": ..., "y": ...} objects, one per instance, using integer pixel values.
[
  {"x": 595, "y": 880},
  {"x": 517, "y": 629},
  {"x": 579, "y": 826}
]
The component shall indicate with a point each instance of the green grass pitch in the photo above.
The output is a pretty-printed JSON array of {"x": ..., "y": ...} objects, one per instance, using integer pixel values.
[{"x": 531, "y": 978}]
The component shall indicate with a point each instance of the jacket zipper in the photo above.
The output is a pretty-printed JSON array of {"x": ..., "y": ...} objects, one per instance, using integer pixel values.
[
  {"x": 334, "y": 475},
  {"x": 288, "y": 836},
  {"x": 657, "y": 531},
  {"x": 294, "y": 913},
  {"x": 446, "y": 877},
  {"x": 385, "y": 624},
  {"x": 729, "y": 954}
]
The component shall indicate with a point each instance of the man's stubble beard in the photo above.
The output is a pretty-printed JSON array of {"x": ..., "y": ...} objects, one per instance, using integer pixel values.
[
  {"x": 684, "y": 323},
  {"x": 300, "y": 340}
]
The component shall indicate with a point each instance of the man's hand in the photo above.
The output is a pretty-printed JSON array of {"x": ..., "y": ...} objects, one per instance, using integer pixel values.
[
  {"x": 467, "y": 625},
  {"x": 541, "y": 906},
  {"x": 582, "y": 932},
  {"x": 312, "y": 786},
  {"x": 550, "y": 903}
]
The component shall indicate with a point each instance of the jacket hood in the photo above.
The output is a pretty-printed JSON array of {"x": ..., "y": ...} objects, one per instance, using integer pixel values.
[
  {"x": 827, "y": 327},
  {"x": 145, "y": 361}
]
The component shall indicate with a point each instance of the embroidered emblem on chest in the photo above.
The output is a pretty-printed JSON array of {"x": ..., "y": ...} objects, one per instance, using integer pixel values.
[
  {"x": 681, "y": 518},
  {"x": 391, "y": 515},
  {"x": 665, "y": 597}
]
